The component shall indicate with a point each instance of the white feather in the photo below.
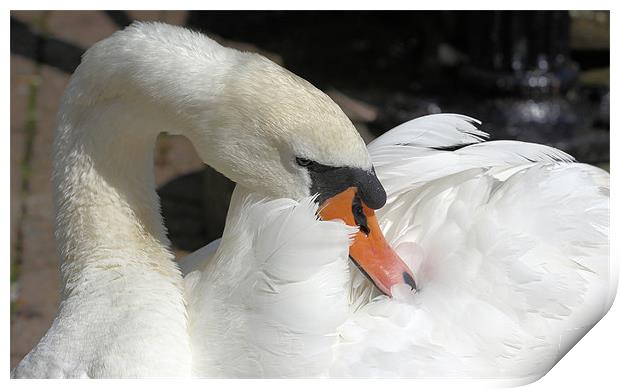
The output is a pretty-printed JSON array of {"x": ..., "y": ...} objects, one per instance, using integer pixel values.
[
  {"x": 268, "y": 303},
  {"x": 509, "y": 244}
]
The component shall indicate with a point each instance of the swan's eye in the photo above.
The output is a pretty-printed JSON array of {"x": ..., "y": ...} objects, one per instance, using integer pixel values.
[{"x": 303, "y": 162}]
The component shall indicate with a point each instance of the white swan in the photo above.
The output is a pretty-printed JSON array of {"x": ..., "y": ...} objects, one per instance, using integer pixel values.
[{"x": 280, "y": 297}]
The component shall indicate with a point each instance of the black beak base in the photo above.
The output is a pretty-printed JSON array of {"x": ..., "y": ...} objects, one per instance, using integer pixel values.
[{"x": 330, "y": 181}]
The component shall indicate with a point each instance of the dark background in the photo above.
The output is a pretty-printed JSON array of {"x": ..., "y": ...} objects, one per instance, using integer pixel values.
[{"x": 534, "y": 76}]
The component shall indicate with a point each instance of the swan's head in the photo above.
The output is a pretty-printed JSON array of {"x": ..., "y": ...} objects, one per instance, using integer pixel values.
[{"x": 276, "y": 134}]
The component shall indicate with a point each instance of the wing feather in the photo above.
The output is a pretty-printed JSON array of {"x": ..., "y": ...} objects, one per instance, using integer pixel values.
[{"x": 509, "y": 243}]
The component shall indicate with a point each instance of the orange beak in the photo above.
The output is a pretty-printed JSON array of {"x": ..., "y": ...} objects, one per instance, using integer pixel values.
[{"x": 369, "y": 251}]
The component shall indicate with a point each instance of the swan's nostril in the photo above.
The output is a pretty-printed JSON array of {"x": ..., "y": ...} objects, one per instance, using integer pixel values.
[
  {"x": 409, "y": 280},
  {"x": 358, "y": 214}
]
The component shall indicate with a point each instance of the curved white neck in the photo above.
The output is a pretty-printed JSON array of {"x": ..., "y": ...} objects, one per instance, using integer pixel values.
[
  {"x": 121, "y": 283},
  {"x": 107, "y": 208},
  {"x": 119, "y": 99}
]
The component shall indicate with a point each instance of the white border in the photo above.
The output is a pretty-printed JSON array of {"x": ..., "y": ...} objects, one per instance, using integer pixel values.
[{"x": 593, "y": 362}]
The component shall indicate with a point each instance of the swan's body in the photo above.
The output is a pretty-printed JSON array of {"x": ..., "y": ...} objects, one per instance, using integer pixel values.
[
  {"x": 280, "y": 296},
  {"x": 509, "y": 241}
]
